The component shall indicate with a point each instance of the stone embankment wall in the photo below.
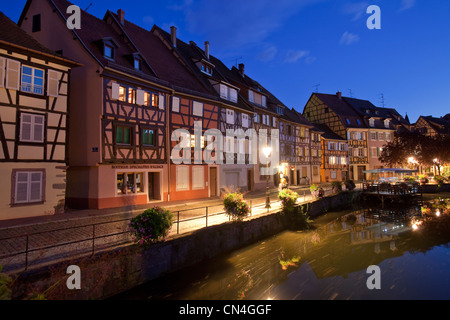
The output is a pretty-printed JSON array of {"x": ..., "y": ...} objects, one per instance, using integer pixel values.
[{"x": 109, "y": 273}]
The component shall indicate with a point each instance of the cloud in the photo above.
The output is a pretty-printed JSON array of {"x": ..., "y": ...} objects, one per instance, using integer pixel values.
[
  {"x": 357, "y": 10},
  {"x": 148, "y": 20},
  {"x": 268, "y": 54},
  {"x": 295, "y": 55},
  {"x": 348, "y": 38},
  {"x": 407, "y": 4},
  {"x": 235, "y": 24}
]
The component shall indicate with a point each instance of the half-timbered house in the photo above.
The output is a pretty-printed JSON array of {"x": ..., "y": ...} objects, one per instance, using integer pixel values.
[
  {"x": 343, "y": 120},
  {"x": 265, "y": 121},
  {"x": 233, "y": 114},
  {"x": 34, "y": 95},
  {"x": 119, "y": 138}
]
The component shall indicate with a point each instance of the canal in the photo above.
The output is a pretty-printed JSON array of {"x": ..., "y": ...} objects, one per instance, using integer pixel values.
[{"x": 330, "y": 261}]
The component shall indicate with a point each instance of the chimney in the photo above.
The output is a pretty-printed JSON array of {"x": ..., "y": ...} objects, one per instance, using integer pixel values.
[
  {"x": 207, "y": 49},
  {"x": 121, "y": 15},
  {"x": 339, "y": 95},
  {"x": 173, "y": 35},
  {"x": 241, "y": 69}
]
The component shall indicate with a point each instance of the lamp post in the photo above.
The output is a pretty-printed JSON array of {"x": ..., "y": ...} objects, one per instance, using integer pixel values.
[
  {"x": 267, "y": 151},
  {"x": 438, "y": 165}
]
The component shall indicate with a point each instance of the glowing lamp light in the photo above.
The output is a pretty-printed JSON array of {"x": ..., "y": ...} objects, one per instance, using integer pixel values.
[
  {"x": 438, "y": 213},
  {"x": 267, "y": 151},
  {"x": 415, "y": 226}
]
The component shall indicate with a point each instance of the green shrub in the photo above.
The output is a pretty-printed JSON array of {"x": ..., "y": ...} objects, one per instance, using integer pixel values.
[
  {"x": 151, "y": 226},
  {"x": 440, "y": 180},
  {"x": 235, "y": 206},
  {"x": 288, "y": 199}
]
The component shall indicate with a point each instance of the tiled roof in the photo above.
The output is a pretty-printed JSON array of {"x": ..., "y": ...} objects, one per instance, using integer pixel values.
[
  {"x": 11, "y": 33},
  {"x": 328, "y": 133},
  {"x": 348, "y": 116}
]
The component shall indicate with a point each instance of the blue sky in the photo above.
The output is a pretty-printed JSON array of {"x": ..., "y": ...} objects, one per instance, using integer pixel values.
[{"x": 291, "y": 46}]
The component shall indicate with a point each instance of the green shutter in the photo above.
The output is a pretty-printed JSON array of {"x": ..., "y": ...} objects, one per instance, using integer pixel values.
[{"x": 119, "y": 135}]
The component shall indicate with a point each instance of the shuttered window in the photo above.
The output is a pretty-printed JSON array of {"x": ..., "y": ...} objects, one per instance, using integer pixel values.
[
  {"x": 230, "y": 116},
  {"x": 148, "y": 138},
  {"x": 12, "y": 74},
  {"x": 28, "y": 186},
  {"x": 162, "y": 102},
  {"x": 123, "y": 135},
  {"x": 198, "y": 178},
  {"x": 32, "y": 128},
  {"x": 182, "y": 178}
]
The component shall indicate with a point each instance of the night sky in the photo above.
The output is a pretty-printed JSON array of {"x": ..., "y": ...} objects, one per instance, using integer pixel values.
[{"x": 295, "y": 47}]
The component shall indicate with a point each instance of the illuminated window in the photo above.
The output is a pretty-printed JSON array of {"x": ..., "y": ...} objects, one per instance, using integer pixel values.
[
  {"x": 122, "y": 93},
  {"x": 131, "y": 96}
]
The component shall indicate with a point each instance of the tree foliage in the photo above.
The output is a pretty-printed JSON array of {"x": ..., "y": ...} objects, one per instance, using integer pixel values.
[{"x": 424, "y": 149}]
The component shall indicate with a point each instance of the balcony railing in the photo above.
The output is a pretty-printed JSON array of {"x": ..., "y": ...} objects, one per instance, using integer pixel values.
[{"x": 37, "y": 89}]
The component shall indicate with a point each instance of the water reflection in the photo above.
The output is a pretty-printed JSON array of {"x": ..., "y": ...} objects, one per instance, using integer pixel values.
[{"x": 329, "y": 262}]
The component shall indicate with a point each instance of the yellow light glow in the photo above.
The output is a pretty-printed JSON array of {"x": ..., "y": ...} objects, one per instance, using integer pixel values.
[{"x": 438, "y": 213}]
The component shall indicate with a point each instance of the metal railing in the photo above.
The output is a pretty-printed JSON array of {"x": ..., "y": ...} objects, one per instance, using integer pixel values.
[{"x": 88, "y": 239}]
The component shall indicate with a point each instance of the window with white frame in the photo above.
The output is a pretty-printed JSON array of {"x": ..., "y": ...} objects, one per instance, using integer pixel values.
[
  {"x": 32, "y": 128},
  {"x": 176, "y": 104},
  {"x": 28, "y": 186},
  {"x": 32, "y": 80},
  {"x": 198, "y": 178},
  {"x": 182, "y": 178}
]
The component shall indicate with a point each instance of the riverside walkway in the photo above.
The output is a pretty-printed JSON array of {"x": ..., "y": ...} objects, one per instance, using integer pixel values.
[{"x": 29, "y": 243}]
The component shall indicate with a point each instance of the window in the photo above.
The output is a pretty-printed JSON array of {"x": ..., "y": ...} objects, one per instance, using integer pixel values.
[
  {"x": 256, "y": 118},
  {"x": 331, "y": 146},
  {"x": 28, "y": 186},
  {"x": 131, "y": 96},
  {"x": 387, "y": 123},
  {"x": 137, "y": 64},
  {"x": 32, "y": 80},
  {"x": 130, "y": 183},
  {"x": 332, "y": 160},
  {"x": 344, "y": 160},
  {"x": 122, "y": 93},
  {"x": 280, "y": 110},
  {"x": 348, "y": 121},
  {"x": 194, "y": 141},
  {"x": 198, "y": 177},
  {"x": 373, "y": 152},
  {"x": 31, "y": 128},
  {"x": 108, "y": 51},
  {"x": 148, "y": 138},
  {"x": 333, "y": 175},
  {"x": 359, "y": 122},
  {"x": 373, "y": 136},
  {"x": 245, "y": 120},
  {"x": 342, "y": 146},
  {"x": 123, "y": 135},
  {"x": 372, "y": 122},
  {"x": 147, "y": 98},
  {"x": 36, "y": 23},
  {"x": 182, "y": 177},
  {"x": 206, "y": 69},
  {"x": 228, "y": 93},
  {"x": 360, "y": 152},
  {"x": 274, "y": 122},
  {"x": 230, "y": 116}
]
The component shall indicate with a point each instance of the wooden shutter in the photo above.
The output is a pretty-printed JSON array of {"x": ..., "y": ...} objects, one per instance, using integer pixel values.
[
  {"x": 251, "y": 96},
  {"x": 35, "y": 186},
  {"x": 115, "y": 91},
  {"x": 12, "y": 74},
  {"x": 2, "y": 71},
  {"x": 176, "y": 104},
  {"x": 197, "y": 109},
  {"x": 140, "y": 97},
  {"x": 161, "y": 101},
  {"x": 26, "y": 124},
  {"x": 53, "y": 83},
  {"x": 263, "y": 101},
  {"x": 182, "y": 178},
  {"x": 223, "y": 91}
]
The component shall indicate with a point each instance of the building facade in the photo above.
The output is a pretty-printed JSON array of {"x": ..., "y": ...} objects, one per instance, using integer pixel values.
[{"x": 34, "y": 97}]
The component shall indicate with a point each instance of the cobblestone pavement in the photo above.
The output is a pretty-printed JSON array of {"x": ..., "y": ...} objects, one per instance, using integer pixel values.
[{"x": 69, "y": 235}]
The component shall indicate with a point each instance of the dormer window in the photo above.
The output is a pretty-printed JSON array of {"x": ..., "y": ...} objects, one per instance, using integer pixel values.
[
  {"x": 387, "y": 123},
  {"x": 280, "y": 110},
  {"x": 228, "y": 93},
  {"x": 372, "y": 122},
  {"x": 137, "y": 64},
  {"x": 206, "y": 69},
  {"x": 257, "y": 98},
  {"x": 108, "y": 51}
]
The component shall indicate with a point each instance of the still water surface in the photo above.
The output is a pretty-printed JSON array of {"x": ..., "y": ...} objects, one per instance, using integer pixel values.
[{"x": 329, "y": 262}]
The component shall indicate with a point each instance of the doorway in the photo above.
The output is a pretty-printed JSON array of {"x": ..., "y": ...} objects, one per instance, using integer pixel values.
[
  {"x": 154, "y": 187},
  {"x": 249, "y": 179},
  {"x": 213, "y": 182}
]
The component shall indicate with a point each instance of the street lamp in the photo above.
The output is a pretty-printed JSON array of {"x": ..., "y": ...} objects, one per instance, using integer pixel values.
[{"x": 267, "y": 151}]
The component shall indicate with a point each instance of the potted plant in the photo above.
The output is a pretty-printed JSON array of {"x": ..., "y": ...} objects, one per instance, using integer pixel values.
[
  {"x": 423, "y": 179},
  {"x": 235, "y": 206},
  {"x": 314, "y": 191},
  {"x": 151, "y": 226},
  {"x": 288, "y": 200}
]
